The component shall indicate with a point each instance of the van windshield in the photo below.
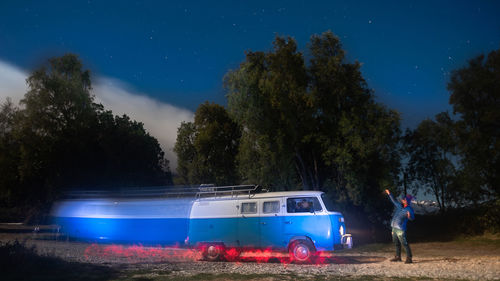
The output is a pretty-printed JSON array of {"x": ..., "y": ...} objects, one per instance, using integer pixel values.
[{"x": 328, "y": 203}]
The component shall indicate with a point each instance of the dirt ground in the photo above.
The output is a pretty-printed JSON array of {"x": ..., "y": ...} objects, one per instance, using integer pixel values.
[{"x": 467, "y": 259}]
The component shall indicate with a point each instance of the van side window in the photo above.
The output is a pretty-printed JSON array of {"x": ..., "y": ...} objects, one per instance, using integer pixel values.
[
  {"x": 271, "y": 207},
  {"x": 303, "y": 205},
  {"x": 248, "y": 208}
]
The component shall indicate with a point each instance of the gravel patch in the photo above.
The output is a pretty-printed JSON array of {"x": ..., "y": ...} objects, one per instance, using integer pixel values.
[{"x": 431, "y": 260}]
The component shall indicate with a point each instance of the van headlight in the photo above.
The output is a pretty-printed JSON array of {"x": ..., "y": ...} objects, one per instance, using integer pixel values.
[{"x": 341, "y": 230}]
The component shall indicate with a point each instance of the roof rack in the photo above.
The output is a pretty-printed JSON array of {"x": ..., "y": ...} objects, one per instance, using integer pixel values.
[
  {"x": 202, "y": 191},
  {"x": 229, "y": 190}
]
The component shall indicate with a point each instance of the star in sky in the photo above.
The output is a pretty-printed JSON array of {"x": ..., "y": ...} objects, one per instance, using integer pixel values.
[{"x": 178, "y": 52}]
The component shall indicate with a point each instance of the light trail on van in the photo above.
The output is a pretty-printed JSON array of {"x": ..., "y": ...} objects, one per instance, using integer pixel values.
[
  {"x": 143, "y": 220},
  {"x": 220, "y": 222},
  {"x": 140, "y": 253}
]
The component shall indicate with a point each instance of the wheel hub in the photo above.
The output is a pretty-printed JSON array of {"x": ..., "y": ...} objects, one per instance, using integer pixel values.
[
  {"x": 301, "y": 252},
  {"x": 213, "y": 251}
]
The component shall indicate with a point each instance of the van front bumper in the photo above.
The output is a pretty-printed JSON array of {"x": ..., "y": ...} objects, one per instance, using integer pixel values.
[{"x": 346, "y": 241}]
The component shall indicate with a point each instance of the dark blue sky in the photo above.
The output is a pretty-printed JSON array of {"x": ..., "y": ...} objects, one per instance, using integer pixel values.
[{"x": 178, "y": 51}]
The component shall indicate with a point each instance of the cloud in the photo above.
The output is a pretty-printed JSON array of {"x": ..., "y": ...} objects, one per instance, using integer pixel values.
[
  {"x": 12, "y": 82},
  {"x": 160, "y": 119}
]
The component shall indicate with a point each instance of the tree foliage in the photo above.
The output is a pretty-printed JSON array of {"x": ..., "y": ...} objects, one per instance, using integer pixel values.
[
  {"x": 312, "y": 123},
  {"x": 60, "y": 138},
  {"x": 456, "y": 158},
  {"x": 206, "y": 148},
  {"x": 431, "y": 149},
  {"x": 9, "y": 150},
  {"x": 475, "y": 97}
]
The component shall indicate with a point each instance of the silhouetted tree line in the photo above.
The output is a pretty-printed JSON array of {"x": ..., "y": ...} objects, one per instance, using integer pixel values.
[
  {"x": 60, "y": 138},
  {"x": 308, "y": 120},
  {"x": 295, "y": 120},
  {"x": 456, "y": 158}
]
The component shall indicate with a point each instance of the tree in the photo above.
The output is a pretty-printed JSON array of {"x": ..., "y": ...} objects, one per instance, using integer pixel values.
[
  {"x": 312, "y": 125},
  {"x": 359, "y": 136},
  {"x": 61, "y": 138},
  {"x": 431, "y": 148},
  {"x": 475, "y": 97},
  {"x": 206, "y": 149},
  {"x": 9, "y": 151},
  {"x": 185, "y": 150},
  {"x": 58, "y": 110},
  {"x": 266, "y": 97},
  {"x": 126, "y": 154}
]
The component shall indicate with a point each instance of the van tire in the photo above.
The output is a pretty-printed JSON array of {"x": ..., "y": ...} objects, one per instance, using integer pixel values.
[
  {"x": 301, "y": 251},
  {"x": 213, "y": 252}
]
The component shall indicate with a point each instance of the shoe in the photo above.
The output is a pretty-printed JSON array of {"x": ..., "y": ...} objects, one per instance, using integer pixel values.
[
  {"x": 396, "y": 258},
  {"x": 408, "y": 260}
]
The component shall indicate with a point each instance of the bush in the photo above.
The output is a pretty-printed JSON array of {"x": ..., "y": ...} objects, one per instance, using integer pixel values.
[
  {"x": 15, "y": 256},
  {"x": 456, "y": 223},
  {"x": 490, "y": 220},
  {"x": 19, "y": 262}
]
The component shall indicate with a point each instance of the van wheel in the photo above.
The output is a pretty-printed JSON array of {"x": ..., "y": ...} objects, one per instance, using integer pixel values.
[
  {"x": 213, "y": 252},
  {"x": 301, "y": 251}
]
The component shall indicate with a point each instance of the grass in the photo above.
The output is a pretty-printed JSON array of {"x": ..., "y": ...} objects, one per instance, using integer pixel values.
[{"x": 485, "y": 239}]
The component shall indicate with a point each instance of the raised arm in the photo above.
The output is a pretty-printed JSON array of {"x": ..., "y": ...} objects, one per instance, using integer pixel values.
[{"x": 396, "y": 204}]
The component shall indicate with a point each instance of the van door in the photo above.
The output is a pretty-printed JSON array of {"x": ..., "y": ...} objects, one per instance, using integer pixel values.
[
  {"x": 248, "y": 224},
  {"x": 271, "y": 224},
  {"x": 303, "y": 218}
]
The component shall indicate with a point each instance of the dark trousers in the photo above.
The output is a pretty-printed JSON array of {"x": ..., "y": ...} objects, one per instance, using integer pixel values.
[{"x": 398, "y": 238}]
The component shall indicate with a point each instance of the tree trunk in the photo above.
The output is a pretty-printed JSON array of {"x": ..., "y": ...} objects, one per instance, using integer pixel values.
[
  {"x": 316, "y": 174},
  {"x": 302, "y": 171}
]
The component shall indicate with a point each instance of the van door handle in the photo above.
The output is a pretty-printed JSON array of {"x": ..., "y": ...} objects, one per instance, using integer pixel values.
[
  {"x": 263, "y": 223},
  {"x": 288, "y": 222}
]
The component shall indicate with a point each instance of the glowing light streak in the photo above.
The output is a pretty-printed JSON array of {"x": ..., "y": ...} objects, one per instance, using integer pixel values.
[{"x": 139, "y": 253}]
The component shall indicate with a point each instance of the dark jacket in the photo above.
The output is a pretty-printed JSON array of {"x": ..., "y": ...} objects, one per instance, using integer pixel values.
[{"x": 399, "y": 216}]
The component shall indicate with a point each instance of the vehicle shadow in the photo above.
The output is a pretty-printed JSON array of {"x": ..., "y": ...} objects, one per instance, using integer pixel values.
[
  {"x": 316, "y": 260},
  {"x": 353, "y": 259}
]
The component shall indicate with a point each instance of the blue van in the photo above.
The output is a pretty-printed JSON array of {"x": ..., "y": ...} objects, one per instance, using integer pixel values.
[{"x": 214, "y": 219}]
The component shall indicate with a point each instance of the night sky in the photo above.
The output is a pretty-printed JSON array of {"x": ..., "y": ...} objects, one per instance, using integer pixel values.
[{"x": 177, "y": 52}]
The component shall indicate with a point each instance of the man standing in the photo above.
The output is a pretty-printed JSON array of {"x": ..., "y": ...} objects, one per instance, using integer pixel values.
[{"x": 398, "y": 223}]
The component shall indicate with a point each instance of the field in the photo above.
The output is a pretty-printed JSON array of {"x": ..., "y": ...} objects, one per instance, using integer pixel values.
[{"x": 39, "y": 256}]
